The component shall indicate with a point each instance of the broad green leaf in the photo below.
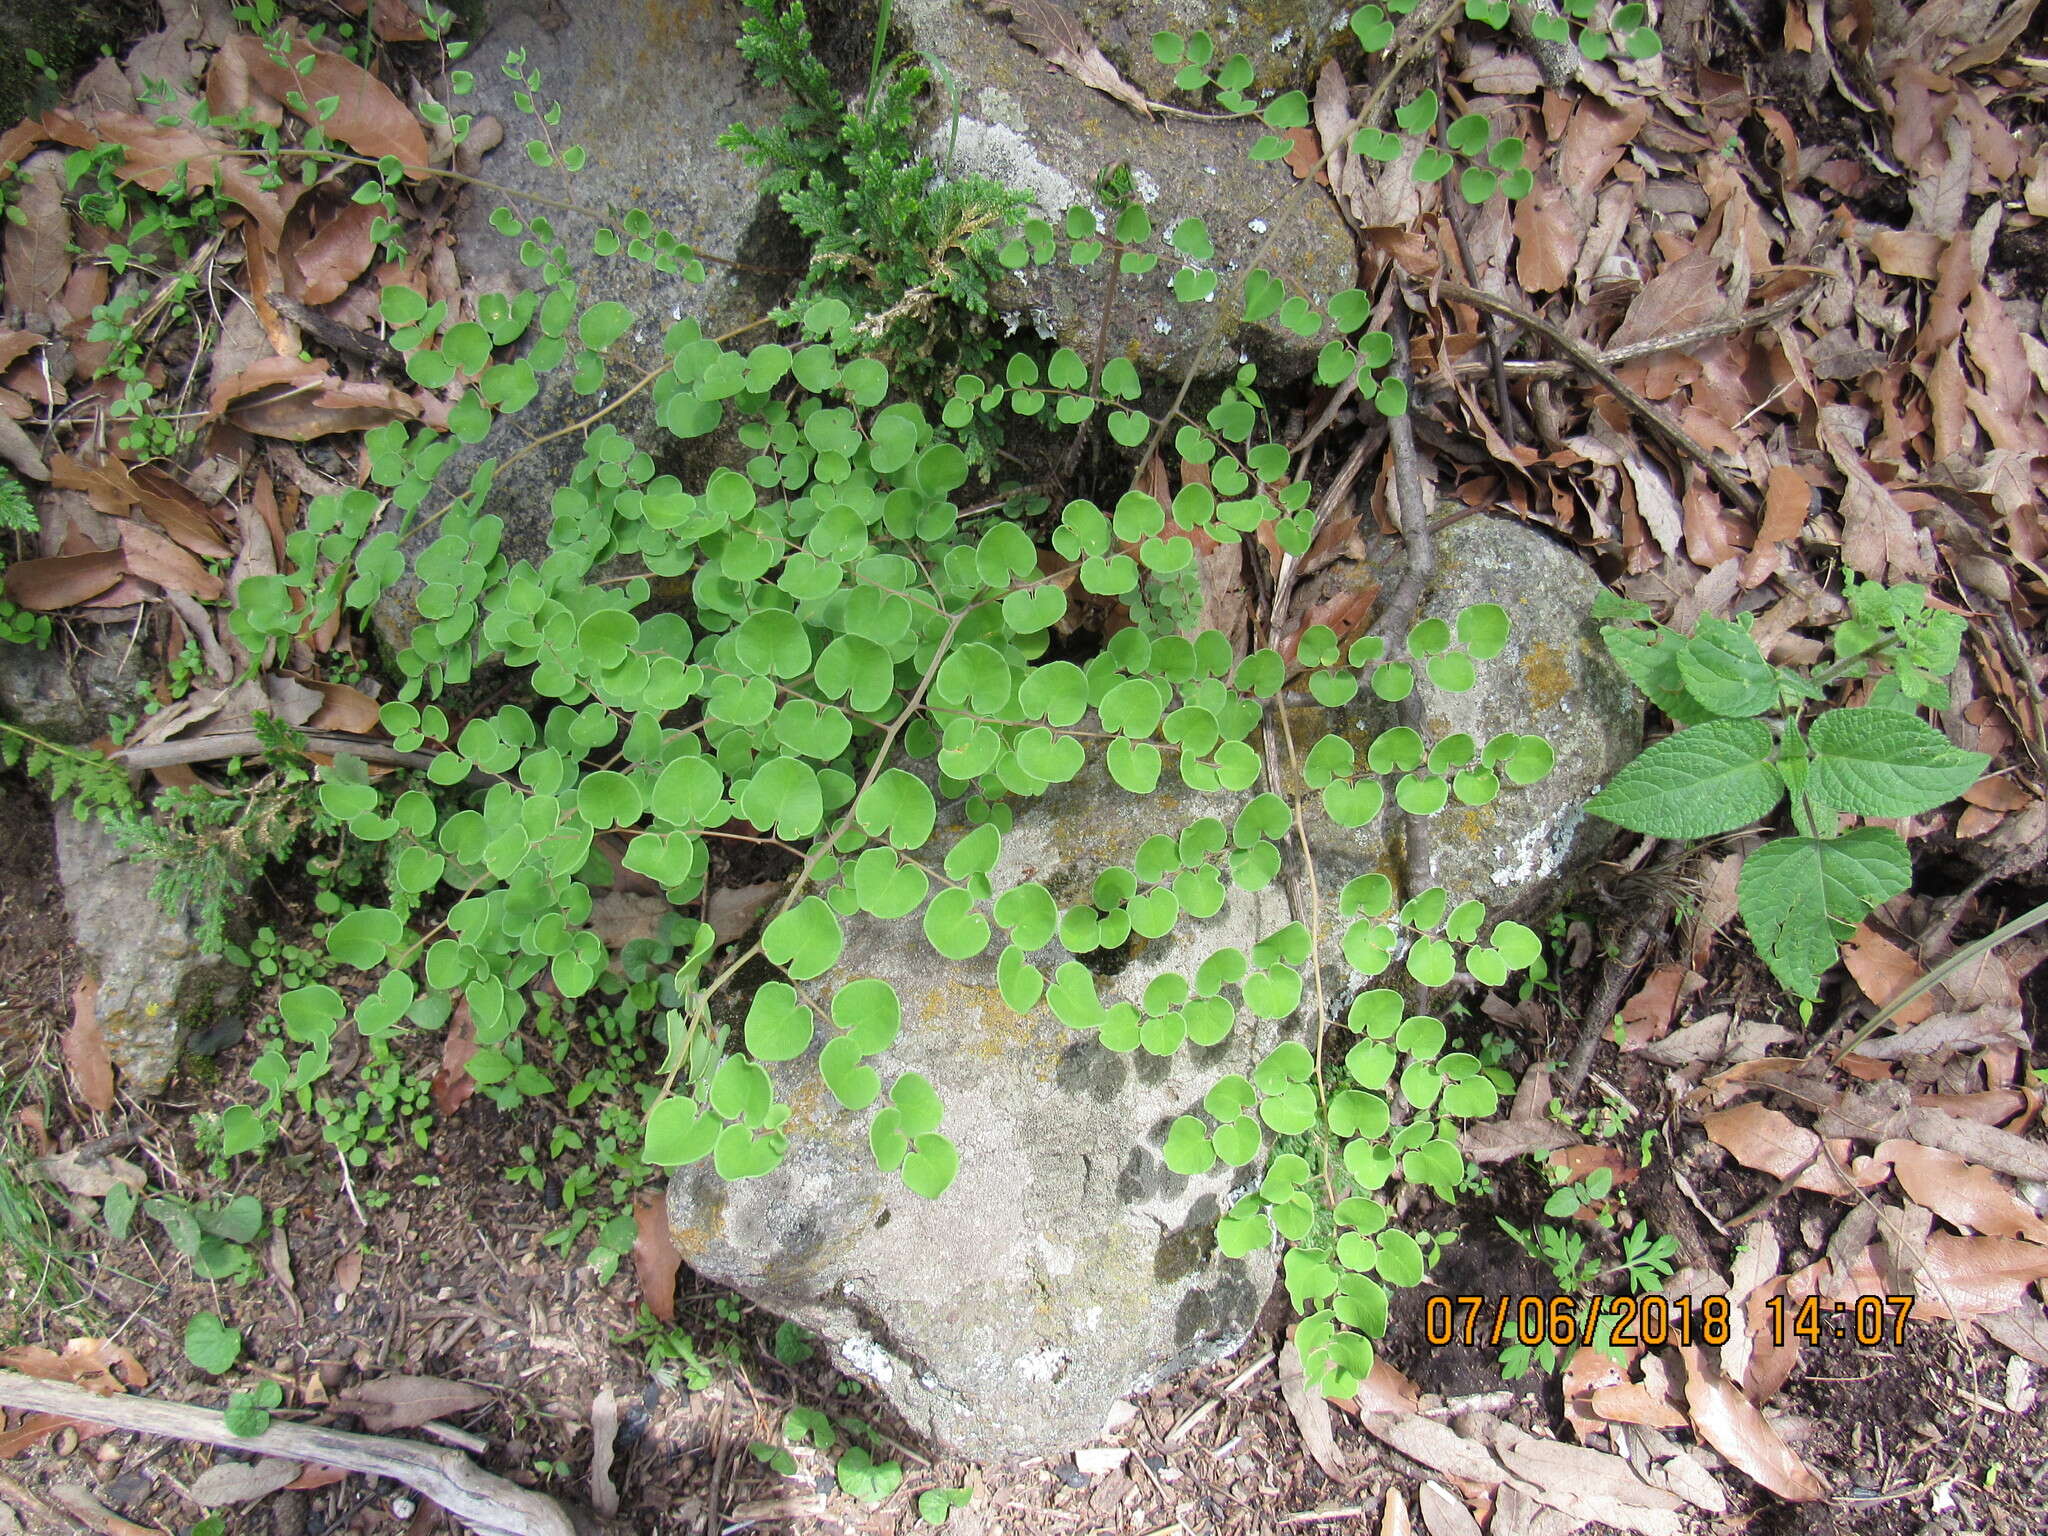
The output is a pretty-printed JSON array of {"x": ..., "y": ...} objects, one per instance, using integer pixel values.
[
  {"x": 1722, "y": 668},
  {"x": 1886, "y": 762},
  {"x": 1708, "y": 779},
  {"x": 806, "y": 941},
  {"x": 778, "y": 1026},
  {"x": 1801, "y": 897}
]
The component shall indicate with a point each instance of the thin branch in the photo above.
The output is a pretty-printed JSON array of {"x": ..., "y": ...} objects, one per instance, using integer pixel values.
[
  {"x": 483, "y": 1501},
  {"x": 1674, "y": 437}
]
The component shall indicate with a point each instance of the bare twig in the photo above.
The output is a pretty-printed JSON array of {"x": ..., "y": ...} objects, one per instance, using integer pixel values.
[
  {"x": 482, "y": 1500},
  {"x": 1674, "y": 437}
]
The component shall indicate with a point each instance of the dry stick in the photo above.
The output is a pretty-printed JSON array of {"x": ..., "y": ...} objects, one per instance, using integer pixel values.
[
  {"x": 482, "y": 1500},
  {"x": 1420, "y": 546},
  {"x": 1593, "y": 1026},
  {"x": 208, "y": 749},
  {"x": 1674, "y": 437}
]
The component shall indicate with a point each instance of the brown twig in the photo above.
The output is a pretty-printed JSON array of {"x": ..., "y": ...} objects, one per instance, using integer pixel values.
[
  {"x": 482, "y": 1500},
  {"x": 1673, "y": 436}
]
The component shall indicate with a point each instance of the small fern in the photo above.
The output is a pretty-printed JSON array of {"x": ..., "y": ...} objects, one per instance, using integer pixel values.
[{"x": 909, "y": 253}]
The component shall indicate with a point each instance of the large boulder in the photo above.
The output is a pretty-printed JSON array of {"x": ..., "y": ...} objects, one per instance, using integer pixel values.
[
  {"x": 645, "y": 87},
  {"x": 155, "y": 983},
  {"x": 1067, "y": 1266},
  {"x": 1042, "y": 130}
]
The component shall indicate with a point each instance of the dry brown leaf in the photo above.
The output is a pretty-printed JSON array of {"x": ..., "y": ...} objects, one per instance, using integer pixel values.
[
  {"x": 154, "y": 557},
  {"x": 342, "y": 708},
  {"x": 347, "y": 1275},
  {"x": 1959, "y": 1192},
  {"x": 91, "y": 1174},
  {"x": 1735, "y": 1427},
  {"x": 1883, "y": 970},
  {"x": 299, "y": 401},
  {"x": 1648, "y": 1014},
  {"x": 655, "y": 1257},
  {"x": 406, "y": 1402},
  {"x": 1437, "y": 1446},
  {"x": 1787, "y": 499},
  {"x": 1443, "y": 1512},
  {"x": 1394, "y": 1514},
  {"x": 452, "y": 1085},
  {"x": 1591, "y": 1484},
  {"x": 1306, "y": 158},
  {"x": 1061, "y": 41},
  {"x": 35, "y": 255},
  {"x": 1547, "y": 235},
  {"x": 62, "y": 580},
  {"x": 1384, "y": 1390},
  {"x": 18, "y": 449},
  {"x": 98, "y": 1365},
  {"x": 17, "y": 343},
  {"x": 156, "y": 154},
  {"x": 1770, "y": 1142},
  {"x": 1993, "y": 1025},
  {"x": 85, "y": 1048},
  {"x": 1971, "y": 1276},
  {"x": 732, "y": 910},
  {"x": 239, "y": 1482},
  {"x": 368, "y": 117},
  {"x": 319, "y": 265},
  {"x": 32, "y": 1431},
  {"x": 1311, "y": 1411}
]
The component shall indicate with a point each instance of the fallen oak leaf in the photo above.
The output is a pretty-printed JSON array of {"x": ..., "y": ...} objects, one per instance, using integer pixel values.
[
  {"x": 656, "y": 1259},
  {"x": 1959, "y": 1192},
  {"x": 366, "y": 116},
  {"x": 452, "y": 1084},
  {"x": 85, "y": 1048},
  {"x": 241, "y": 1482},
  {"x": 299, "y": 401},
  {"x": 1060, "y": 40},
  {"x": 1772, "y": 1142},
  {"x": 154, "y": 557},
  {"x": 406, "y": 1402},
  {"x": 155, "y": 155},
  {"x": 1737, "y": 1428}
]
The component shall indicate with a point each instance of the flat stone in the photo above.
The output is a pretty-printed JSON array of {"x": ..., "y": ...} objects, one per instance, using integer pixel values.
[
  {"x": 1029, "y": 126},
  {"x": 1066, "y": 1266},
  {"x": 154, "y": 981},
  {"x": 646, "y": 88}
]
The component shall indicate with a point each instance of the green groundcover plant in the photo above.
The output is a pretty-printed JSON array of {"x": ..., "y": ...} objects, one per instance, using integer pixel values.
[
  {"x": 855, "y": 643},
  {"x": 1744, "y": 749}
]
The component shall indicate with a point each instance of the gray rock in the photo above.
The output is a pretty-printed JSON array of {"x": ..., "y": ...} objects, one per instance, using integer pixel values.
[
  {"x": 154, "y": 982},
  {"x": 646, "y": 87},
  {"x": 1285, "y": 41},
  {"x": 1044, "y": 131},
  {"x": 1067, "y": 1266},
  {"x": 1554, "y": 679},
  {"x": 69, "y": 691}
]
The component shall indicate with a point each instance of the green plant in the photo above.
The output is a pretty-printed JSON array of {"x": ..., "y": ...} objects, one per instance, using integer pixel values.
[
  {"x": 853, "y": 647},
  {"x": 1431, "y": 147},
  {"x": 211, "y": 1344},
  {"x": 935, "y": 1506},
  {"x": 248, "y": 1411},
  {"x": 907, "y": 253},
  {"x": 672, "y": 1354},
  {"x": 1744, "y": 748},
  {"x": 38, "y": 1279},
  {"x": 213, "y": 1236}
]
